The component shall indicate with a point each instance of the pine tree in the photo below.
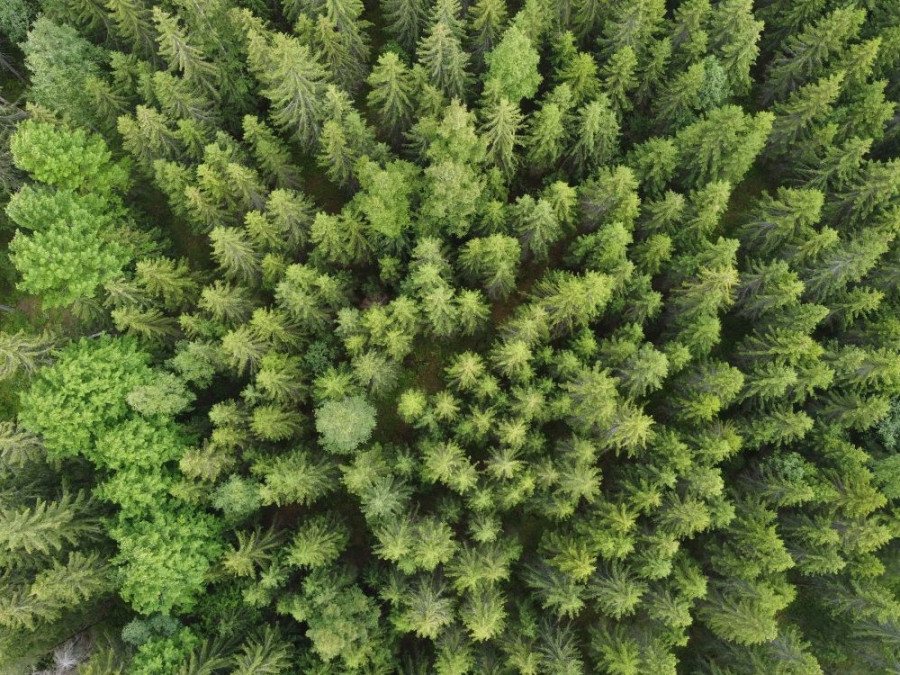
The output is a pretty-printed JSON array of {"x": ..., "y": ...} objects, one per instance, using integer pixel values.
[
  {"x": 632, "y": 25},
  {"x": 654, "y": 71},
  {"x": 619, "y": 78},
  {"x": 722, "y": 146},
  {"x": 705, "y": 389},
  {"x": 444, "y": 59},
  {"x": 787, "y": 19},
  {"x": 557, "y": 592},
  {"x": 423, "y": 610},
  {"x": 777, "y": 220},
  {"x": 483, "y": 614},
  {"x": 234, "y": 253},
  {"x": 64, "y": 585},
  {"x": 176, "y": 48},
  {"x": 536, "y": 224},
  {"x": 390, "y": 94},
  {"x": 180, "y": 99},
  {"x": 340, "y": 239},
  {"x": 868, "y": 114},
  {"x": 578, "y": 69},
  {"x": 89, "y": 15},
  {"x": 272, "y": 423},
  {"x": 274, "y": 327},
  {"x": 405, "y": 20},
  {"x": 858, "y": 62},
  {"x": 611, "y": 196},
  {"x": 271, "y": 153},
  {"x": 734, "y": 36},
  {"x": 47, "y": 526},
  {"x": 680, "y": 98},
  {"x": 170, "y": 280},
  {"x": 805, "y": 55},
  {"x": 643, "y": 372},
  {"x": 689, "y": 37},
  {"x": 309, "y": 297},
  {"x": 148, "y": 136},
  {"x": 226, "y": 303},
  {"x": 292, "y": 80},
  {"x": 472, "y": 311},
  {"x": 345, "y": 138},
  {"x": 17, "y": 446},
  {"x": 292, "y": 214},
  {"x": 844, "y": 263},
  {"x": 132, "y": 22},
  {"x": 502, "y": 124},
  {"x": 493, "y": 261},
  {"x": 243, "y": 349},
  {"x": 654, "y": 162},
  {"x": 343, "y": 53},
  {"x": 744, "y": 612},
  {"x": 768, "y": 287},
  {"x": 252, "y": 550},
  {"x": 486, "y": 19},
  {"x": 546, "y": 134},
  {"x": 616, "y": 593},
  {"x": 150, "y": 324},
  {"x": 20, "y": 352},
  {"x": 794, "y": 117},
  {"x": 588, "y": 16},
  {"x": 596, "y": 136},
  {"x": 871, "y": 191},
  {"x": 336, "y": 156},
  {"x": 512, "y": 359}
]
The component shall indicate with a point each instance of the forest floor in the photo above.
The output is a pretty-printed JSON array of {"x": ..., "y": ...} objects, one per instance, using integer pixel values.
[{"x": 743, "y": 196}]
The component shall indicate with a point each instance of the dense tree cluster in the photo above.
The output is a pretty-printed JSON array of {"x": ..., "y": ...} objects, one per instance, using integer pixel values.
[{"x": 540, "y": 337}]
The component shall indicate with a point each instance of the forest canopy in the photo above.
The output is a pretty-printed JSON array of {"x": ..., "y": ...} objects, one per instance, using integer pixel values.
[{"x": 527, "y": 337}]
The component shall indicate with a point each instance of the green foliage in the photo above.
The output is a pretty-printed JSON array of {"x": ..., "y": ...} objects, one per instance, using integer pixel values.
[
  {"x": 61, "y": 63},
  {"x": 139, "y": 631},
  {"x": 66, "y": 160},
  {"x": 513, "y": 66},
  {"x": 165, "y": 395},
  {"x": 391, "y": 93},
  {"x": 723, "y": 145},
  {"x": 554, "y": 337},
  {"x": 343, "y": 623},
  {"x": 70, "y": 255},
  {"x": 292, "y": 80},
  {"x": 385, "y": 195},
  {"x": 46, "y": 527},
  {"x": 72, "y": 249},
  {"x": 237, "y": 498},
  {"x": 15, "y": 17},
  {"x": 83, "y": 394},
  {"x": 20, "y": 352},
  {"x": 346, "y": 424},
  {"x": 164, "y": 559},
  {"x": 164, "y": 653}
]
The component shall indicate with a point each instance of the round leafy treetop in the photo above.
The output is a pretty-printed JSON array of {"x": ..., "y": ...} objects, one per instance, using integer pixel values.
[{"x": 346, "y": 424}]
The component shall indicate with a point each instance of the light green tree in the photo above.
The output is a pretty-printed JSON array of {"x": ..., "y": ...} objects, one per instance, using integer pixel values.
[
  {"x": 346, "y": 424},
  {"x": 513, "y": 67}
]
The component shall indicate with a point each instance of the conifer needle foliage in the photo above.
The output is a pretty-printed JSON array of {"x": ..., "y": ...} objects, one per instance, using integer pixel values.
[{"x": 527, "y": 337}]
